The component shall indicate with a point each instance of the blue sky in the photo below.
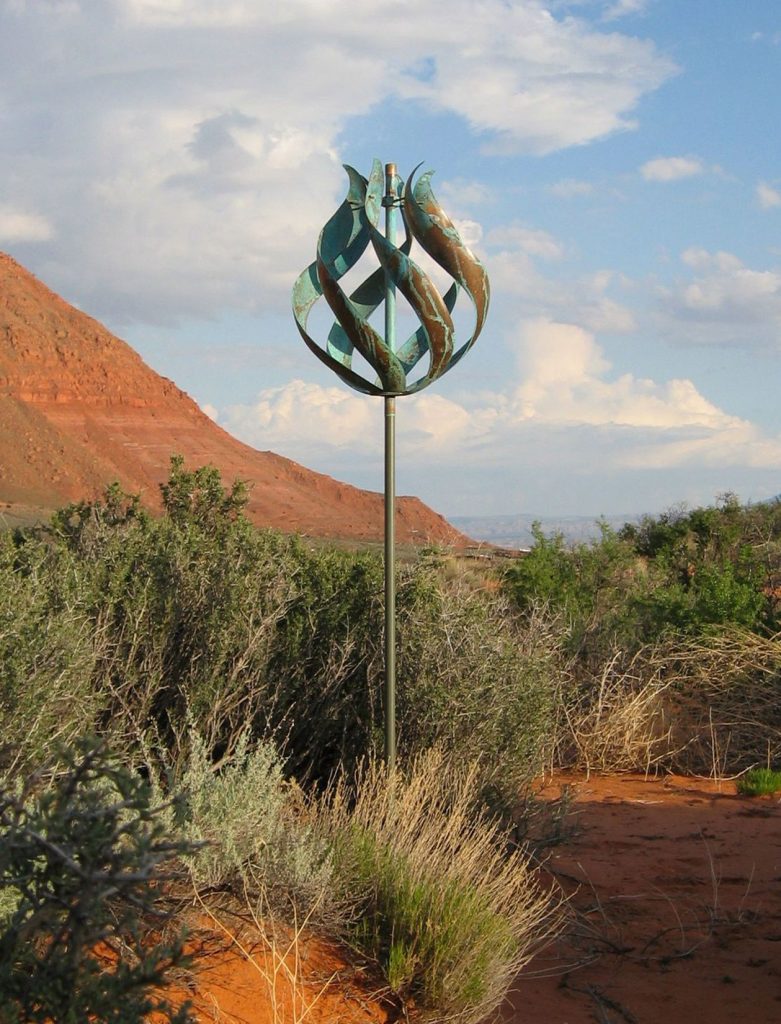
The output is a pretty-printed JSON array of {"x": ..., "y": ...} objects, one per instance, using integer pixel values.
[{"x": 167, "y": 166}]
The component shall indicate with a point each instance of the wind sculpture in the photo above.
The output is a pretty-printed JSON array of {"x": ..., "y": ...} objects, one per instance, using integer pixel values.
[{"x": 342, "y": 243}]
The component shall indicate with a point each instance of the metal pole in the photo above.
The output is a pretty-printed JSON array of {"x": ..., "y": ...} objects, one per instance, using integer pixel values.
[{"x": 390, "y": 488}]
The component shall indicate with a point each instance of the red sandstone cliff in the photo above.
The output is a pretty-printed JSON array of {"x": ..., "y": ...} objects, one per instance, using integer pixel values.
[{"x": 79, "y": 409}]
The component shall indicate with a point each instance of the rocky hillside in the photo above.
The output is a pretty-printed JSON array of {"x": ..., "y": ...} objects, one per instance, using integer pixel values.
[{"x": 79, "y": 409}]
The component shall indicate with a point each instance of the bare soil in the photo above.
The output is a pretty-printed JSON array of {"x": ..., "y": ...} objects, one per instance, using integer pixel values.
[
  {"x": 673, "y": 917},
  {"x": 244, "y": 974},
  {"x": 674, "y": 889}
]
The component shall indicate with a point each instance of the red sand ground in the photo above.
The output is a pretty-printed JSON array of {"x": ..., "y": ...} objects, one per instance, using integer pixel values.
[
  {"x": 675, "y": 907},
  {"x": 251, "y": 979},
  {"x": 79, "y": 409},
  {"x": 674, "y": 917}
]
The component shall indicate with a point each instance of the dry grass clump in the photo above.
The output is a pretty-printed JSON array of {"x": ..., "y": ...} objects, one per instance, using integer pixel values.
[
  {"x": 725, "y": 704},
  {"x": 707, "y": 704},
  {"x": 615, "y": 718},
  {"x": 449, "y": 912},
  {"x": 407, "y": 865}
]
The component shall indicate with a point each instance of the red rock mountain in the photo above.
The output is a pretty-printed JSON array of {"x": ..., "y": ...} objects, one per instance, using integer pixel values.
[{"x": 79, "y": 409}]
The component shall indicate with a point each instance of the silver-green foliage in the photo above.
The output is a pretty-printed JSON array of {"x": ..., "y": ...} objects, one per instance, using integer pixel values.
[
  {"x": 129, "y": 625},
  {"x": 254, "y": 828},
  {"x": 47, "y": 657},
  {"x": 82, "y": 862}
]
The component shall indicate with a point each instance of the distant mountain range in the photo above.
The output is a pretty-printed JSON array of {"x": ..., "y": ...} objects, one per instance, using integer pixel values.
[
  {"x": 80, "y": 409},
  {"x": 515, "y": 531}
]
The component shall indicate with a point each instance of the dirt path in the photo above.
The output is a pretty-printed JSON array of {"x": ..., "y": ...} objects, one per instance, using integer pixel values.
[{"x": 675, "y": 907}]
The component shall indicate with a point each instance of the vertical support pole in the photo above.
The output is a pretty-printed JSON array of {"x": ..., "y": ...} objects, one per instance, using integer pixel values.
[
  {"x": 390, "y": 582},
  {"x": 390, "y": 488}
]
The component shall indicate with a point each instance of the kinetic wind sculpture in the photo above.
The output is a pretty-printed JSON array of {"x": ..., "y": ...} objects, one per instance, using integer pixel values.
[{"x": 342, "y": 242}]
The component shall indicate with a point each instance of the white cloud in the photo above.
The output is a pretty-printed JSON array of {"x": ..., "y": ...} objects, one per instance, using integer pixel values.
[
  {"x": 532, "y": 241},
  {"x": 624, "y": 8},
  {"x": 21, "y": 226},
  {"x": 533, "y": 82},
  {"x": 562, "y": 381},
  {"x": 303, "y": 417},
  {"x": 767, "y": 196},
  {"x": 458, "y": 193},
  {"x": 584, "y": 300},
  {"x": 672, "y": 168},
  {"x": 565, "y": 380},
  {"x": 190, "y": 150},
  {"x": 724, "y": 301}
]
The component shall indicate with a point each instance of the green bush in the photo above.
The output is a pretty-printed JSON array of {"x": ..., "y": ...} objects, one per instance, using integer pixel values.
[
  {"x": 47, "y": 655},
  {"x": 81, "y": 862},
  {"x": 449, "y": 913},
  {"x": 139, "y": 627},
  {"x": 681, "y": 572}
]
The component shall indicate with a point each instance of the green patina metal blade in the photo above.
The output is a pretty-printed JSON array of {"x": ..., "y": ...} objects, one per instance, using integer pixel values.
[{"x": 347, "y": 235}]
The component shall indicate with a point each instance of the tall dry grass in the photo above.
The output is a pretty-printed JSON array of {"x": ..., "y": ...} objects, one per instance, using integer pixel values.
[
  {"x": 449, "y": 910},
  {"x": 708, "y": 705},
  {"x": 725, "y": 704}
]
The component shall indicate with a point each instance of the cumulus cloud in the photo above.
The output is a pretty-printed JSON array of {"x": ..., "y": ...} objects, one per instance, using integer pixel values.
[
  {"x": 565, "y": 379},
  {"x": 211, "y": 411},
  {"x": 562, "y": 380},
  {"x": 672, "y": 168},
  {"x": 303, "y": 418},
  {"x": 513, "y": 252},
  {"x": 767, "y": 196},
  {"x": 185, "y": 152},
  {"x": 724, "y": 301}
]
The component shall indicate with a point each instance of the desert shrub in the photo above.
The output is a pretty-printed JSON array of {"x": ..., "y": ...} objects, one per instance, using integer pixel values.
[
  {"x": 476, "y": 682},
  {"x": 46, "y": 656},
  {"x": 81, "y": 861},
  {"x": 714, "y": 596},
  {"x": 253, "y": 831},
  {"x": 177, "y": 615},
  {"x": 327, "y": 659},
  {"x": 593, "y": 589},
  {"x": 140, "y": 627},
  {"x": 707, "y": 704},
  {"x": 616, "y": 717},
  {"x": 451, "y": 915},
  {"x": 197, "y": 617},
  {"x": 724, "y": 701},
  {"x": 679, "y": 573}
]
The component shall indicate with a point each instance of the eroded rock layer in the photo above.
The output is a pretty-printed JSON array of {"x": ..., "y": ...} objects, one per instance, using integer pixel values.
[{"x": 79, "y": 409}]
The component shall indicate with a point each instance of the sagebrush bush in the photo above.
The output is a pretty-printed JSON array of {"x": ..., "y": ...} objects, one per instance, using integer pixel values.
[
  {"x": 253, "y": 831},
  {"x": 148, "y": 625},
  {"x": 476, "y": 682},
  {"x": 135, "y": 627},
  {"x": 81, "y": 862},
  {"x": 47, "y": 656}
]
